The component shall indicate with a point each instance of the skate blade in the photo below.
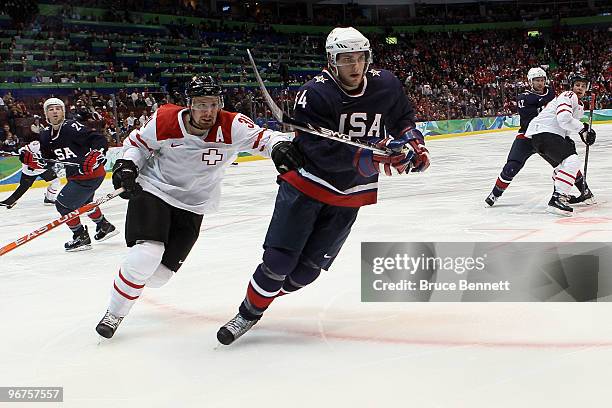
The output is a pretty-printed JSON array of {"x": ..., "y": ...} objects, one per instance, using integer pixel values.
[
  {"x": 102, "y": 340},
  {"x": 81, "y": 248},
  {"x": 589, "y": 201},
  {"x": 49, "y": 204},
  {"x": 557, "y": 211},
  {"x": 8, "y": 206},
  {"x": 109, "y": 235}
]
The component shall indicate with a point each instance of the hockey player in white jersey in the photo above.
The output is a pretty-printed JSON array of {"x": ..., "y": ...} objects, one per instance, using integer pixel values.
[
  {"x": 550, "y": 132},
  {"x": 29, "y": 175},
  {"x": 171, "y": 169}
]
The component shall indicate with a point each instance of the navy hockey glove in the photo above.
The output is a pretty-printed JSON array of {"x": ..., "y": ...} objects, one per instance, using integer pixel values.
[
  {"x": 403, "y": 157},
  {"x": 32, "y": 160},
  {"x": 124, "y": 175},
  {"x": 286, "y": 156},
  {"x": 417, "y": 142},
  {"x": 93, "y": 160},
  {"x": 587, "y": 134}
]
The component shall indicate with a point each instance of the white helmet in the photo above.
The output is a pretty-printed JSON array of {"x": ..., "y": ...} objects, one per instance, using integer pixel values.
[
  {"x": 53, "y": 101},
  {"x": 535, "y": 73},
  {"x": 346, "y": 39}
]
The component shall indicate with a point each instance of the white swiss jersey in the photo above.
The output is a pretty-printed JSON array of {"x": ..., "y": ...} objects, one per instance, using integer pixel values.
[
  {"x": 561, "y": 116},
  {"x": 185, "y": 170}
]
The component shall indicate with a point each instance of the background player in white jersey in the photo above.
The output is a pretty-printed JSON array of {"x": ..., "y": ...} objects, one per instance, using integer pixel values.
[
  {"x": 171, "y": 170},
  {"x": 29, "y": 175},
  {"x": 550, "y": 132}
]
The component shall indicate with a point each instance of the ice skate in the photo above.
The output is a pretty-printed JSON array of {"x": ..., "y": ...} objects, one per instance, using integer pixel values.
[
  {"x": 105, "y": 230},
  {"x": 558, "y": 205},
  {"x": 46, "y": 201},
  {"x": 7, "y": 204},
  {"x": 233, "y": 329},
  {"x": 108, "y": 325},
  {"x": 491, "y": 199},
  {"x": 586, "y": 198},
  {"x": 80, "y": 241}
]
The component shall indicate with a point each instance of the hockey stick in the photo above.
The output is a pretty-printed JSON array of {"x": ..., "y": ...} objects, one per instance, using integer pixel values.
[
  {"x": 43, "y": 159},
  {"x": 59, "y": 221},
  {"x": 586, "y": 153},
  {"x": 282, "y": 117}
]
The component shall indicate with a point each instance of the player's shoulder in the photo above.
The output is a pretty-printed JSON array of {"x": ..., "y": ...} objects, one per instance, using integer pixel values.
[
  {"x": 320, "y": 90},
  {"x": 569, "y": 95},
  {"x": 164, "y": 124},
  {"x": 322, "y": 84},
  {"x": 73, "y": 126},
  {"x": 168, "y": 112},
  {"x": 380, "y": 75},
  {"x": 383, "y": 79},
  {"x": 229, "y": 118}
]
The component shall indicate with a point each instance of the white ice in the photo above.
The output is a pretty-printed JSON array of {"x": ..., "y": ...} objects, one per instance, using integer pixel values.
[{"x": 321, "y": 346}]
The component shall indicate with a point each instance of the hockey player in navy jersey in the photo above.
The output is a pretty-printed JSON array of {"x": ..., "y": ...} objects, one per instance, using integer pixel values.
[
  {"x": 316, "y": 205},
  {"x": 71, "y": 141},
  {"x": 529, "y": 103}
]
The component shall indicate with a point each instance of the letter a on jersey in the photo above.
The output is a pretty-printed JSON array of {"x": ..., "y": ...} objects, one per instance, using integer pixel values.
[{"x": 219, "y": 135}]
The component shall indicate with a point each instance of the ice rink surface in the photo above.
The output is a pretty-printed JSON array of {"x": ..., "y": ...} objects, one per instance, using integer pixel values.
[{"x": 321, "y": 346}]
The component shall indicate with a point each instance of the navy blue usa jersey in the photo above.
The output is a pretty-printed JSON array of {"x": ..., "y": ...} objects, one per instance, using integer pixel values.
[
  {"x": 530, "y": 104},
  {"x": 379, "y": 109},
  {"x": 70, "y": 143}
]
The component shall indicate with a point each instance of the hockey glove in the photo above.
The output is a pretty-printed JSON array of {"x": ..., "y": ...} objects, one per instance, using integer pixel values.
[
  {"x": 93, "y": 160},
  {"x": 286, "y": 156},
  {"x": 587, "y": 134},
  {"x": 368, "y": 162},
  {"x": 32, "y": 160},
  {"x": 124, "y": 175},
  {"x": 416, "y": 140}
]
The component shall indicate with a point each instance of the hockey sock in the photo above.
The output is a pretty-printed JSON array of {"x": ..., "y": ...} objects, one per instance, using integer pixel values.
[
  {"x": 580, "y": 182},
  {"x": 511, "y": 168},
  {"x": 304, "y": 274},
  {"x": 565, "y": 174},
  {"x": 53, "y": 189},
  {"x": 96, "y": 215},
  {"x": 500, "y": 186},
  {"x": 161, "y": 276},
  {"x": 140, "y": 264},
  {"x": 25, "y": 182},
  {"x": 75, "y": 224},
  {"x": 267, "y": 281}
]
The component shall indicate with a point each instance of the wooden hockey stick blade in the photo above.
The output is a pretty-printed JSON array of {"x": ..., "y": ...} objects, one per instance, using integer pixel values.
[
  {"x": 59, "y": 221},
  {"x": 282, "y": 117}
]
